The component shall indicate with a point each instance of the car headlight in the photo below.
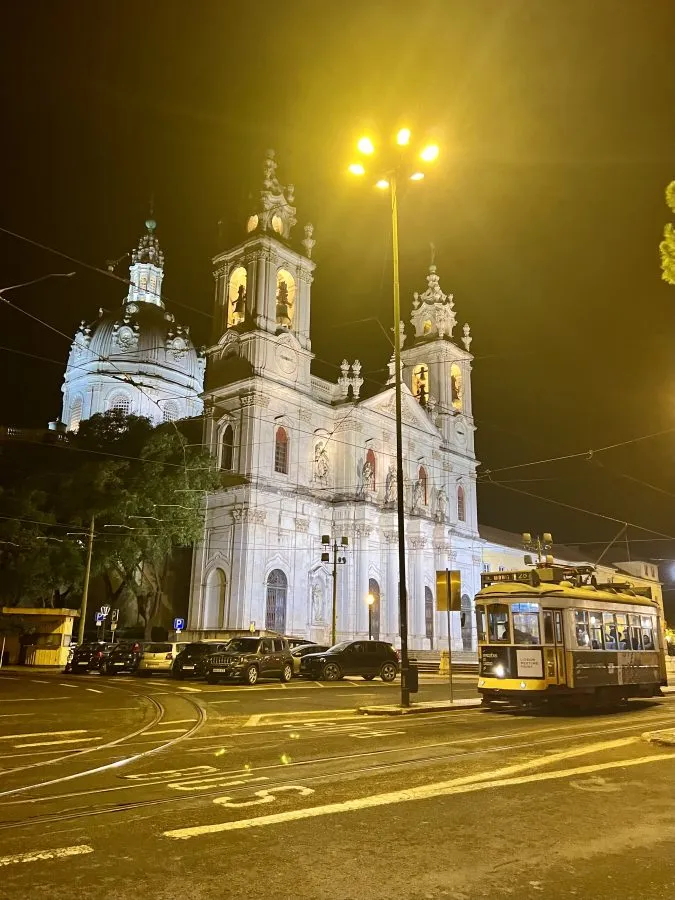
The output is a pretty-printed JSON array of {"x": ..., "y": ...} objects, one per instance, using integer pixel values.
[{"x": 498, "y": 670}]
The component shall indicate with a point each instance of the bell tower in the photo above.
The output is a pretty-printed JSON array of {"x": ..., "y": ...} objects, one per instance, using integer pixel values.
[
  {"x": 263, "y": 284},
  {"x": 147, "y": 269},
  {"x": 436, "y": 369}
]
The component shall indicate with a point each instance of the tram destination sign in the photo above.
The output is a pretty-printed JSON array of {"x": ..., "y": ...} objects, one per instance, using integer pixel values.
[{"x": 526, "y": 576}]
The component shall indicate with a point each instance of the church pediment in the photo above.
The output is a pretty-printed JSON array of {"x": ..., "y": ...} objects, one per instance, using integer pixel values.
[{"x": 411, "y": 412}]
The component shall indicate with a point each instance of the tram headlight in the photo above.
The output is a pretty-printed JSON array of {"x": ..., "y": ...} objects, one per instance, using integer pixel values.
[{"x": 498, "y": 670}]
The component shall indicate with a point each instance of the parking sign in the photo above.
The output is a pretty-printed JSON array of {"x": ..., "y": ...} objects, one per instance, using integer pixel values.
[{"x": 178, "y": 624}]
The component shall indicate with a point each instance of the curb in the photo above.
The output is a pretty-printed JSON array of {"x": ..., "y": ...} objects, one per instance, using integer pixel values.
[{"x": 420, "y": 708}]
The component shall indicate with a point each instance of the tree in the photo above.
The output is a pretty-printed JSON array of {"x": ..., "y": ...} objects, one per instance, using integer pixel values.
[
  {"x": 667, "y": 245},
  {"x": 144, "y": 486}
]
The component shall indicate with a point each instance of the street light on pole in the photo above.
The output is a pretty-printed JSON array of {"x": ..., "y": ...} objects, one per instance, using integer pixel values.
[{"x": 400, "y": 166}]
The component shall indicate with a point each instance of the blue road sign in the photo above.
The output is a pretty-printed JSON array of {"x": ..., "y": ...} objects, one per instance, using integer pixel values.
[
  {"x": 178, "y": 624},
  {"x": 99, "y": 618}
]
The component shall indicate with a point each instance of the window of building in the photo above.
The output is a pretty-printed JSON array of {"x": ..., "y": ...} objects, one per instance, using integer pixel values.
[
  {"x": 170, "y": 412},
  {"x": 424, "y": 482},
  {"x": 420, "y": 383},
  {"x": 75, "y": 414},
  {"x": 227, "y": 449},
  {"x": 281, "y": 451},
  {"x": 429, "y": 615},
  {"x": 236, "y": 296},
  {"x": 374, "y": 609},
  {"x": 275, "y": 607},
  {"x": 285, "y": 297},
  {"x": 456, "y": 387},
  {"x": 120, "y": 402},
  {"x": 486, "y": 567},
  {"x": 461, "y": 505}
]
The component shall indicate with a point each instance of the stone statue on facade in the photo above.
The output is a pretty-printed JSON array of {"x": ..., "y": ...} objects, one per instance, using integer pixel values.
[
  {"x": 317, "y": 603},
  {"x": 441, "y": 505},
  {"x": 321, "y": 463},
  {"x": 418, "y": 494},
  {"x": 368, "y": 476},
  {"x": 390, "y": 486}
]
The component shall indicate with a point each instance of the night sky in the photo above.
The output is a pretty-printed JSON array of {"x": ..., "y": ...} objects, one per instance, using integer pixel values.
[{"x": 556, "y": 122}]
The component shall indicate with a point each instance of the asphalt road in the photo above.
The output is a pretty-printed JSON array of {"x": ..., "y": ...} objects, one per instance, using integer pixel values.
[{"x": 127, "y": 788}]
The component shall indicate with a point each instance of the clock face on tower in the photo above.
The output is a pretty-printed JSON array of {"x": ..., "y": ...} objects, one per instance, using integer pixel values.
[{"x": 460, "y": 433}]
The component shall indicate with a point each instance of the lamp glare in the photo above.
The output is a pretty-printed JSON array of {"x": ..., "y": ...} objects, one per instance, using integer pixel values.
[
  {"x": 417, "y": 176},
  {"x": 366, "y": 146},
  {"x": 357, "y": 169},
  {"x": 382, "y": 184},
  {"x": 430, "y": 153},
  {"x": 403, "y": 137}
]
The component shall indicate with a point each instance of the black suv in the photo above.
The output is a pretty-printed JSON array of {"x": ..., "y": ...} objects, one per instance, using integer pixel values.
[
  {"x": 366, "y": 658},
  {"x": 191, "y": 659},
  {"x": 123, "y": 657},
  {"x": 248, "y": 659}
]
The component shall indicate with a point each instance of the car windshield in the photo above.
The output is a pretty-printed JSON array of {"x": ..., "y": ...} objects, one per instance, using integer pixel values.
[
  {"x": 158, "y": 648},
  {"x": 341, "y": 646},
  {"x": 196, "y": 648},
  {"x": 242, "y": 645}
]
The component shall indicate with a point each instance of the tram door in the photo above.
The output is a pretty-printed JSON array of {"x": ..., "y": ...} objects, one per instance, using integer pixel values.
[{"x": 554, "y": 650}]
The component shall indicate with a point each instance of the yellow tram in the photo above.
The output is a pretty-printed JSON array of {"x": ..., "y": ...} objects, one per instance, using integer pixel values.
[{"x": 554, "y": 633}]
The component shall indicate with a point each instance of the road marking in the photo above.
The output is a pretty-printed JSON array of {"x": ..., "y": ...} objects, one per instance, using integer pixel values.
[
  {"x": 37, "y": 681},
  {"x": 55, "y": 743},
  {"x": 256, "y": 719},
  {"x": 190, "y": 690},
  {"x": 176, "y": 722},
  {"x": 31, "y": 734},
  {"x": 223, "y": 701},
  {"x": 14, "y": 715},
  {"x": 318, "y": 684},
  {"x": 164, "y": 731},
  {"x": 94, "y": 690},
  {"x": 36, "y": 699},
  {"x": 65, "y": 684},
  {"x": 424, "y": 792},
  {"x": 37, "y": 855}
]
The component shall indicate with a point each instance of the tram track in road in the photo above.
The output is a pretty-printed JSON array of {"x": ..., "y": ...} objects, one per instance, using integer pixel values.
[
  {"x": 190, "y": 796},
  {"x": 124, "y": 740}
]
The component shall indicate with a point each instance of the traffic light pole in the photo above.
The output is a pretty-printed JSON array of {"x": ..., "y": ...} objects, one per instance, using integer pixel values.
[{"x": 85, "y": 586}]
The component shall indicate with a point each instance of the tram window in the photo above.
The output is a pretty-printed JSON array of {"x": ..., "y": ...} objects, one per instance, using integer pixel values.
[
  {"x": 498, "y": 623},
  {"x": 581, "y": 628},
  {"x": 548, "y": 626},
  {"x": 558, "y": 626},
  {"x": 647, "y": 632},
  {"x": 635, "y": 635},
  {"x": 526, "y": 628},
  {"x": 480, "y": 623},
  {"x": 595, "y": 630},
  {"x": 622, "y": 631},
  {"x": 611, "y": 642}
]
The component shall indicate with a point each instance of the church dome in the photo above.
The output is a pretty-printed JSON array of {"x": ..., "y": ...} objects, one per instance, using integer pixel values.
[{"x": 137, "y": 358}]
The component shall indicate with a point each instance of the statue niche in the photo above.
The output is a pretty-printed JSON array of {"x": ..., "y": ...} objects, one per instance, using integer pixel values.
[{"x": 285, "y": 298}]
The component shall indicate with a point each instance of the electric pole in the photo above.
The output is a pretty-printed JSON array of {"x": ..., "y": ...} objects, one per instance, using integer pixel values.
[{"x": 85, "y": 586}]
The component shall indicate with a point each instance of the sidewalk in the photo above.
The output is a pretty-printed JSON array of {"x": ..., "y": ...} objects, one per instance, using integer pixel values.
[{"x": 419, "y": 708}]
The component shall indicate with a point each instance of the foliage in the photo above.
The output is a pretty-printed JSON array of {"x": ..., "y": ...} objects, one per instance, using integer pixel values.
[
  {"x": 667, "y": 245},
  {"x": 144, "y": 486}
]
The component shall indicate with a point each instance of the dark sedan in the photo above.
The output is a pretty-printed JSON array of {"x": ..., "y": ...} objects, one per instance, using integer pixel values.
[
  {"x": 365, "y": 658},
  {"x": 248, "y": 659},
  {"x": 123, "y": 657},
  {"x": 88, "y": 657}
]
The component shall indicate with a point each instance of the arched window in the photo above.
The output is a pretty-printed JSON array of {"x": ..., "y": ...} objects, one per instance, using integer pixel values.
[
  {"x": 461, "y": 505},
  {"x": 75, "y": 414},
  {"x": 120, "y": 402},
  {"x": 374, "y": 610},
  {"x": 281, "y": 451},
  {"x": 170, "y": 411},
  {"x": 227, "y": 449},
  {"x": 420, "y": 383},
  {"x": 236, "y": 296},
  {"x": 275, "y": 607},
  {"x": 424, "y": 484},
  {"x": 214, "y": 600},
  {"x": 285, "y": 297},
  {"x": 456, "y": 387},
  {"x": 429, "y": 615}
]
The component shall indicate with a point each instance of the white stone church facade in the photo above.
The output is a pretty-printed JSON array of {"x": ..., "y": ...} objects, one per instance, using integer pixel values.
[{"x": 314, "y": 459}]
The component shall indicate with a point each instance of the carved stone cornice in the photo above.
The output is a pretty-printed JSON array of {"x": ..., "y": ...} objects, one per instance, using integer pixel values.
[
  {"x": 391, "y": 537},
  {"x": 305, "y": 415},
  {"x": 418, "y": 543},
  {"x": 255, "y": 399},
  {"x": 241, "y": 514},
  {"x": 302, "y": 526}
]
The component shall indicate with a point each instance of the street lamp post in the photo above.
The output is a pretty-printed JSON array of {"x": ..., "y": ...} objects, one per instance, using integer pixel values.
[{"x": 390, "y": 181}]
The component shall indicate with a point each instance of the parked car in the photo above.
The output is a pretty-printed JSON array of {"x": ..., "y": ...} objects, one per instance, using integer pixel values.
[
  {"x": 248, "y": 659},
  {"x": 88, "y": 656},
  {"x": 299, "y": 652},
  {"x": 365, "y": 658},
  {"x": 158, "y": 656},
  {"x": 191, "y": 659},
  {"x": 124, "y": 657}
]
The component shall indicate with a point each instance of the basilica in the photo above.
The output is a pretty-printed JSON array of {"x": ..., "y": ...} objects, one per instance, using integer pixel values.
[{"x": 310, "y": 462}]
